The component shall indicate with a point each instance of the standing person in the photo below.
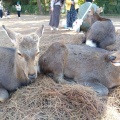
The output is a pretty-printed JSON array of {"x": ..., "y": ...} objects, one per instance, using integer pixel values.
[
  {"x": 55, "y": 13},
  {"x": 18, "y": 8},
  {"x": 7, "y": 13},
  {"x": 89, "y": 0},
  {"x": 1, "y": 10},
  {"x": 71, "y": 7}
]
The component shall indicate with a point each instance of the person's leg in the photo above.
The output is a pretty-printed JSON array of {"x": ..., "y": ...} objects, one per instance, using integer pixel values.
[
  {"x": 18, "y": 13},
  {"x": 73, "y": 16},
  {"x": 1, "y": 13},
  {"x": 68, "y": 18},
  {"x": 56, "y": 15},
  {"x": 51, "y": 22}
]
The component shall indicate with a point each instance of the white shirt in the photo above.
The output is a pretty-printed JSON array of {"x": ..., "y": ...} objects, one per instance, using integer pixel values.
[
  {"x": 1, "y": 7},
  {"x": 18, "y": 7}
]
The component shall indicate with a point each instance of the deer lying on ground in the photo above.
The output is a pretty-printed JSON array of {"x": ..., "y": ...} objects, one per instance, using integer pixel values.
[
  {"x": 101, "y": 33},
  {"x": 19, "y": 66},
  {"x": 93, "y": 67}
]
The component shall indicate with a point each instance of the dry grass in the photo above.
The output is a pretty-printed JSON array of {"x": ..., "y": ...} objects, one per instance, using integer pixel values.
[{"x": 46, "y": 100}]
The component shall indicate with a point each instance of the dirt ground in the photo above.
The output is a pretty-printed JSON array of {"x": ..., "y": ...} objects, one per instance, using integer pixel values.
[
  {"x": 29, "y": 23},
  {"x": 21, "y": 107}
]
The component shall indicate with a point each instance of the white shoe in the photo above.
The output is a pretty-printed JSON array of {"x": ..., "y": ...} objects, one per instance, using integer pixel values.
[
  {"x": 51, "y": 28},
  {"x": 70, "y": 28},
  {"x": 57, "y": 29}
]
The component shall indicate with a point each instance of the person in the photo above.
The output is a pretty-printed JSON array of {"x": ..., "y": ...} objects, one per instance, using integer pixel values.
[
  {"x": 1, "y": 10},
  {"x": 7, "y": 13},
  {"x": 71, "y": 7},
  {"x": 89, "y": 0},
  {"x": 55, "y": 7},
  {"x": 18, "y": 8}
]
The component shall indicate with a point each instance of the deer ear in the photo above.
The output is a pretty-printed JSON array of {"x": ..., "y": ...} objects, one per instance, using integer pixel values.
[
  {"x": 40, "y": 31},
  {"x": 92, "y": 11},
  {"x": 11, "y": 34},
  {"x": 99, "y": 10}
]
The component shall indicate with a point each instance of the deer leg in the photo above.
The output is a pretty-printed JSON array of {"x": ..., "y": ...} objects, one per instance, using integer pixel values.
[
  {"x": 4, "y": 95},
  {"x": 60, "y": 79},
  {"x": 103, "y": 44},
  {"x": 97, "y": 87}
]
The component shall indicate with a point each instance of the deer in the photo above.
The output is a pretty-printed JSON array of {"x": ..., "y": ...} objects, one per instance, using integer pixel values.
[
  {"x": 93, "y": 67},
  {"x": 101, "y": 32},
  {"x": 19, "y": 65},
  {"x": 87, "y": 20}
]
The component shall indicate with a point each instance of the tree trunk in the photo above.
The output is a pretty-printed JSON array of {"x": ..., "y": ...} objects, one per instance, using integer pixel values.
[{"x": 40, "y": 7}]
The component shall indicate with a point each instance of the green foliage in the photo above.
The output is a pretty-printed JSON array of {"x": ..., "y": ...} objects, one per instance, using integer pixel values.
[
  {"x": 13, "y": 2},
  {"x": 26, "y": 9},
  {"x": 33, "y": 2},
  {"x": 110, "y": 6},
  {"x": 31, "y": 7}
]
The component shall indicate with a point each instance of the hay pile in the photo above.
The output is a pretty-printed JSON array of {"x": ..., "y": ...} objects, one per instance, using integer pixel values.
[
  {"x": 114, "y": 98},
  {"x": 113, "y": 105},
  {"x": 46, "y": 100}
]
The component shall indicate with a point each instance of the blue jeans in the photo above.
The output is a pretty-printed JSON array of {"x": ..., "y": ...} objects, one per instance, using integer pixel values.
[
  {"x": 71, "y": 16},
  {"x": 1, "y": 13}
]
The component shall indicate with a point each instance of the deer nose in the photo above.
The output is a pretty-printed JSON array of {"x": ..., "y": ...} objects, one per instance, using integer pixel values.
[
  {"x": 32, "y": 76},
  {"x": 111, "y": 58}
]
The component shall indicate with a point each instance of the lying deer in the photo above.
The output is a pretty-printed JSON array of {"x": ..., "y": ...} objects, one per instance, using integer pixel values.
[
  {"x": 101, "y": 33},
  {"x": 19, "y": 66},
  {"x": 93, "y": 67}
]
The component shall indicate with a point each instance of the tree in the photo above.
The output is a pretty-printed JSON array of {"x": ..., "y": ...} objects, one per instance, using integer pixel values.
[{"x": 40, "y": 7}]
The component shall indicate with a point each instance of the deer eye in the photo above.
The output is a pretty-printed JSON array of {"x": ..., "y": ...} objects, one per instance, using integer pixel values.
[
  {"x": 20, "y": 54},
  {"x": 37, "y": 53}
]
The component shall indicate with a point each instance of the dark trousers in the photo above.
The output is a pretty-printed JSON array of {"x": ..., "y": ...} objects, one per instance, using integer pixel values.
[
  {"x": 1, "y": 13},
  {"x": 55, "y": 16},
  {"x": 71, "y": 16},
  {"x": 18, "y": 12}
]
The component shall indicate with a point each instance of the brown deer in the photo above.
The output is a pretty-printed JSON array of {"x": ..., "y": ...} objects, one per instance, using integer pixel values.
[
  {"x": 19, "y": 66},
  {"x": 89, "y": 66},
  {"x": 101, "y": 33},
  {"x": 87, "y": 21}
]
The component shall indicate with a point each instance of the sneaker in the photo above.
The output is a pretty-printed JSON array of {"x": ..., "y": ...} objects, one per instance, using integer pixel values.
[
  {"x": 57, "y": 29},
  {"x": 70, "y": 28},
  {"x": 51, "y": 28}
]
